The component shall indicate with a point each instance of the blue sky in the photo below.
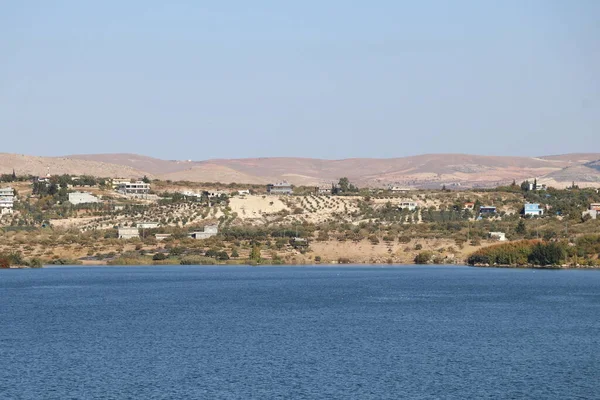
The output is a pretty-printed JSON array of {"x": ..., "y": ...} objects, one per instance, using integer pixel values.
[{"x": 328, "y": 79}]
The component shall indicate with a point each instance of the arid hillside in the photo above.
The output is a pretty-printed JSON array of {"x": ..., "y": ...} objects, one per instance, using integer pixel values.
[
  {"x": 424, "y": 171},
  {"x": 40, "y": 166}
]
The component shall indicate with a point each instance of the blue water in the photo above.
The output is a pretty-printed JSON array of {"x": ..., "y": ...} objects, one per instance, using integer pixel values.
[{"x": 299, "y": 333}]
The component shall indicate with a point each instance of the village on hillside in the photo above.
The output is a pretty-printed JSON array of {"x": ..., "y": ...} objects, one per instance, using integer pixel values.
[{"x": 83, "y": 219}]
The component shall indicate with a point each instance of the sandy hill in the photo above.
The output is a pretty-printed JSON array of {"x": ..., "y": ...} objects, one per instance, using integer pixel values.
[
  {"x": 429, "y": 170},
  {"x": 33, "y": 165}
]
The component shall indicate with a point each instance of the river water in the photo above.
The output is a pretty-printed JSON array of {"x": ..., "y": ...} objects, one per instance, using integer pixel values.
[{"x": 174, "y": 332}]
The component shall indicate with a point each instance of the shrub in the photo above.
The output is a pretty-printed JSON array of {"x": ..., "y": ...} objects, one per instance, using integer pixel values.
[
  {"x": 159, "y": 257},
  {"x": 197, "y": 260},
  {"x": 423, "y": 257},
  {"x": 419, "y": 246}
]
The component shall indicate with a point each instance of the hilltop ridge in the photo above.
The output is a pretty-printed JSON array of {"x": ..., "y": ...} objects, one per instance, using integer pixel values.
[{"x": 427, "y": 170}]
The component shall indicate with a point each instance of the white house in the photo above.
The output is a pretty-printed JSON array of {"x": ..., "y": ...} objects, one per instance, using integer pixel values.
[
  {"x": 129, "y": 233},
  {"x": 138, "y": 188},
  {"x": 147, "y": 225},
  {"x": 7, "y": 198},
  {"x": 398, "y": 189},
  {"x": 500, "y": 236},
  {"x": 533, "y": 209},
  {"x": 82, "y": 198},
  {"x": 209, "y": 231},
  {"x": 410, "y": 205},
  {"x": 280, "y": 188}
]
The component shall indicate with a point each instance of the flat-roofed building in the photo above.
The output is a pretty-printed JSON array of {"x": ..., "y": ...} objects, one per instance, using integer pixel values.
[
  {"x": 280, "y": 188},
  {"x": 209, "y": 231},
  {"x": 128, "y": 233},
  {"x": 82, "y": 198},
  {"x": 138, "y": 188}
]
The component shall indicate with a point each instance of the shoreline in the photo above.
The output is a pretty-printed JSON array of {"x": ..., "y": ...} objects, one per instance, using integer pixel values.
[{"x": 351, "y": 265}]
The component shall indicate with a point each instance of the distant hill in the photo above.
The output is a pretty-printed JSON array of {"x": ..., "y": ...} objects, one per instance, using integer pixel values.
[
  {"x": 33, "y": 165},
  {"x": 429, "y": 170}
]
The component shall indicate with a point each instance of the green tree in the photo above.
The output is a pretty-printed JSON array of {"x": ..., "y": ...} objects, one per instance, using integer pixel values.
[
  {"x": 255, "y": 254},
  {"x": 521, "y": 228}
]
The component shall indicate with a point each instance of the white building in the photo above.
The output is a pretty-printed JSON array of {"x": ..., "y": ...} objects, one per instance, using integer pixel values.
[
  {"x": 136, "y": 189},
  {"x": 209, "y": 231},
  {"x": 7, "y": 198},
  {"x": 533, "y": 209},
  {"x": 398, "y": 189},
  {"x": 243, "y": 192},
  {"x": 82, "y": 198},
  {"x": 116, "y": 182},
  {"x": 129, "y": 233},
  {"x": 410, "y": 205},
  {"x": 500, "y": 236},
  {"x": 280, "y": 188},
  {"x": 147, "y": 225}
]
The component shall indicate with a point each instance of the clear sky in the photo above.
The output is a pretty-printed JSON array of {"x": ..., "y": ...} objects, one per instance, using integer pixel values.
[{"x": 329, "y": 78}]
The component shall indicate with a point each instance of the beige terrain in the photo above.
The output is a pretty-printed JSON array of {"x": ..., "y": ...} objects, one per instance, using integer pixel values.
[{"x": 424, "y": 171}]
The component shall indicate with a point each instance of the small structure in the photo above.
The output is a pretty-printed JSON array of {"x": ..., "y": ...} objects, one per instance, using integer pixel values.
[
  {"x": 129, "y": 233},
  {"x": 147, "y": 225},
  {"x": 138, "y": 188},
  {"x": 409, "y": 205},
  {"x": 209, "y": 231},
  {"x": 592, "y": 212},
  {"x": 398, "y": 189},
  {"x": 469, "y": 206},
  {"x": 82, "y": 198},
  {"x": 216, "y": 193},
  {"x": 535, "y": 186},
  {"x": 533, "y": 209},
  {"x": 116, "y": 182},
  {"x": 279, "y": 188},
  {"x": 499, "y": 236},
  {"x": 243, "y": 192},
  {"x": 325, "y": 190},
  {"x": 487, "y": 210},
  {"x": 162, "y": 236},
  {"x": 7, "y": 198},
  {"x": 297, "y": 242}
]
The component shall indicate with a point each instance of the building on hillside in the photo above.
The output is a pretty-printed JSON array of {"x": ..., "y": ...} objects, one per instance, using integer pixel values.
[
  {"x": 325, "y": 189},
  {"x": 128, "y": 233},
  {"x": 216, "y": 193},
  {"x": 147, "y": 225},
  {"x": 499, "y": 236},
  {"x": 209, "y": 231},
  {"x": 592, "y": 213},
  {"x": 116, "y": 182},
  {"x": 162, "y": 236},
  {"x": 138, "y": 189},
  {"x": 7, "y": 198},
  {"x": 243, "y": 192},
  {"x": 82, "y": 198},
  {"x": 408, "y": 205},
  {"x": 279, "y": 188},
  {"x": 7, "y": 192},
  {"x": 533, "y": 209},
  {"x": 535, "y": 186},
  {"x": 470, "y": 206},
  {"x": 398, "y": 189},
  {"x": 487, "y": 210}
]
